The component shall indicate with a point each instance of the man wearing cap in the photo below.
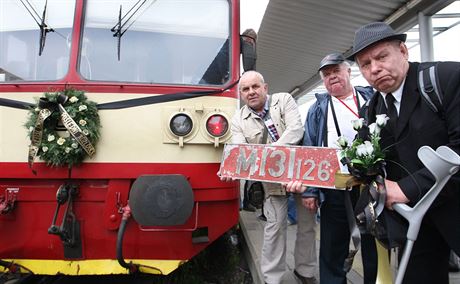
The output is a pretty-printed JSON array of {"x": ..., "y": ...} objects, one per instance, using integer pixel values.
[
  {"x": 327, "y": 119},
  {"x": 382, "y": 57}
]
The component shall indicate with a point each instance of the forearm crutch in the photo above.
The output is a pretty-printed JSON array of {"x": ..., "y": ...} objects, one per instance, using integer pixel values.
[{"x": 442, "y": 163}]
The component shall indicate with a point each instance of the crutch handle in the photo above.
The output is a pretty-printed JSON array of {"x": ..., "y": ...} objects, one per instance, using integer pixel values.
[{"x": 442, "y": 163}]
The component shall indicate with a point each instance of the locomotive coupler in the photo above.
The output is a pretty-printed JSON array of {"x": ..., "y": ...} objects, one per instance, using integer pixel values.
[{"x": 67, "y": 231}]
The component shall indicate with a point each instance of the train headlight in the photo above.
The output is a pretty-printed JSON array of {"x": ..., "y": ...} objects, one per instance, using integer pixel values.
[
  {"x": 181, "y": 124},
  {"x": 217, "y": 125}
]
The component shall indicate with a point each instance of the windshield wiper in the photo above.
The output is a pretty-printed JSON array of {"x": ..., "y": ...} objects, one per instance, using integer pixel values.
[
  {"x": 44, "y": 28},
  {"x": 117, "y": 30},
  {"x": 117, "y": 33}
]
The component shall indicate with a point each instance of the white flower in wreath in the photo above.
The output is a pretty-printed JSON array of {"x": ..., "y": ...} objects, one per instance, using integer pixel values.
[
  {"x": 31, "y": 129},
  {"x": 61, "y": 141},
  {"x": 67, "y": 150},
  {"x": 82, "y": 122},
  {"x": 73, "y": 99},
  {"x": 51, "y": 138},
  {"x": 44, "y": 148},
  {"x": 82, "y": 108},
  {"x": 74, "y": 145},
  {"x": 37, "y": 109},
  {"x": 86, "y": 132}
]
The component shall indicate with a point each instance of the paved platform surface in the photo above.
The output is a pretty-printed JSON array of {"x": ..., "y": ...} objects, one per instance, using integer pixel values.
[{"x": 252, "y": 229}]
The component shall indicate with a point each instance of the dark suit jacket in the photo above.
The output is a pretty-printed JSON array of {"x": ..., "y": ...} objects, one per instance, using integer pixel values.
[{"x": 417, "y": 126}]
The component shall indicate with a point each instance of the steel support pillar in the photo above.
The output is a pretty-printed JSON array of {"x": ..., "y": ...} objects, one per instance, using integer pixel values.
[{"x": 425, "y": 37}]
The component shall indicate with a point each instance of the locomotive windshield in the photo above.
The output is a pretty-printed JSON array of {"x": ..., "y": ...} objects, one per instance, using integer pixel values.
[
  {"x": 35, "y": 38},
  {"x": 132, "y": 41},
  {"x": 156, "y": 41}
]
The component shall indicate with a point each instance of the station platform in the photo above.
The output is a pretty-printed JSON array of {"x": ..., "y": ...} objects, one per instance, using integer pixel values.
[{"x": 252, "y": 231}]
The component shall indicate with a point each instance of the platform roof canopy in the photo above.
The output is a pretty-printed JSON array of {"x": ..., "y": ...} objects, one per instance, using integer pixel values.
[{"x": 295, "y": 35}]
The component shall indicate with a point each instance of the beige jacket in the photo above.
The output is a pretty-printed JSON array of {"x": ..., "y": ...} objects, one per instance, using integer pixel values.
[{"x": 247, "y": 127}]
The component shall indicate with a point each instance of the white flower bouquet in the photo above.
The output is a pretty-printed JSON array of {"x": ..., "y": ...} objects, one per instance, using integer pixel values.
[{"x": 364, "y": 157}]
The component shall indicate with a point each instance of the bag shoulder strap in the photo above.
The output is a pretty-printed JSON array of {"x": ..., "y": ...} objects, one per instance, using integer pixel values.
[
  {"x": 265, "y": 133},
  {"x": 428, "y": 84}
]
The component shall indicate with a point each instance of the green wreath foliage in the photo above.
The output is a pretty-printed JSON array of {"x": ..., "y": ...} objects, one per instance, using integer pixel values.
[{"x": 58, "y": 147}]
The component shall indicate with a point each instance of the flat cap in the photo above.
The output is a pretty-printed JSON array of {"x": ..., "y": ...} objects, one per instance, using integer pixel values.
[{"x": 331, "y": 59}]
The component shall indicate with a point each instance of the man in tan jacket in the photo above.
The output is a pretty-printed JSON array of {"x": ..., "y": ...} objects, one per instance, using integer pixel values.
[{"x": 279, "y": 114}]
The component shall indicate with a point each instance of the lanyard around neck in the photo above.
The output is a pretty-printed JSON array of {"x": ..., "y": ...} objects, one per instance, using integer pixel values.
[
  {"x": 334, "y": 116},
  {"x": 356, "y": 103}
]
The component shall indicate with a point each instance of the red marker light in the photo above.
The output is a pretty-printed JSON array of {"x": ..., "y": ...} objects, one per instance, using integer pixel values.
[{"x": 217, "y": 125}]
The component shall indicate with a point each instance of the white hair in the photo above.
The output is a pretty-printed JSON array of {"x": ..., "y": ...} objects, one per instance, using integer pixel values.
[{"x": 344, "y": 64}]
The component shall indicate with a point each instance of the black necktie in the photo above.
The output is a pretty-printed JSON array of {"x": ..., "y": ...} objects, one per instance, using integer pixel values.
[{"x": 391, "y": 111}]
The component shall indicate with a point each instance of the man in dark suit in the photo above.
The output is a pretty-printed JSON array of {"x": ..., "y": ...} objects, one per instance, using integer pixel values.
[{"x": 382, "y": 57}]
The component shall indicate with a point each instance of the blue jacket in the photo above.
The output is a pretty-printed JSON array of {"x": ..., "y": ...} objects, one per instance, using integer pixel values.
[{"x": 316, "y": 122}]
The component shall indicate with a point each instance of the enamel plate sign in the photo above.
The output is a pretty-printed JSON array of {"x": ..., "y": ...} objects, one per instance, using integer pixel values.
[{"x": 314, "y": 166}]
